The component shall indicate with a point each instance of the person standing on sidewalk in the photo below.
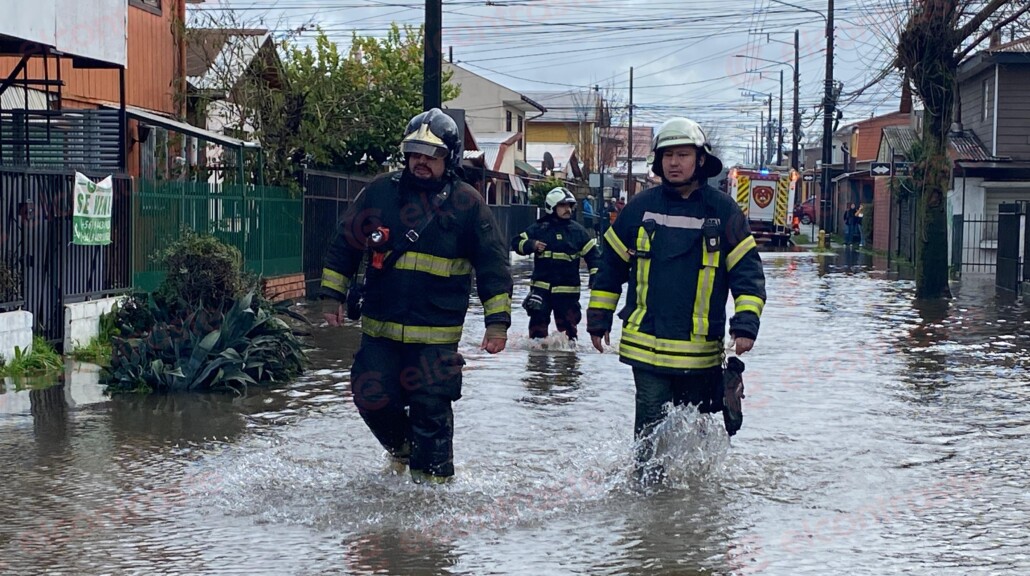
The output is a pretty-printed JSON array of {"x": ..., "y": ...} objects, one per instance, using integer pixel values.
[
  {"x": 422, "y": 232},
  {"x": 682, "y": 246},
  {"x": 557, "y": 243}
]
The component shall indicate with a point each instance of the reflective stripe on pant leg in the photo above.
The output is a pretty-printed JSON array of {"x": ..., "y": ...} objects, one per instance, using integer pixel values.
[{"x": 377, "y": 393}]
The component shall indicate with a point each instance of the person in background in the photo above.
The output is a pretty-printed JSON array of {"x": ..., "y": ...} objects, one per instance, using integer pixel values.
[
  {"x": 423, "y": 232},
  {"x": 557, "y": 243},
  {"x": 859, "y": 232},
  {"x": 849, "y": 225}
]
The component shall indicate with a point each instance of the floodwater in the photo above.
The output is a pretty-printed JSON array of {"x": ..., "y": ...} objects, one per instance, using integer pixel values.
[{"x": 881, "y": 435}]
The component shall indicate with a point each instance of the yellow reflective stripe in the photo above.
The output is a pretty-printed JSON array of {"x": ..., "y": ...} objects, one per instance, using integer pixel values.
[
  {"x": 540, "y": 284},
  {"x": 737, "y": 253},
  {"x": 703, "y": 296},
  {"x": 643, "y": 273},
  {"x": 334, "y": 280},
  {"x": 593, "y": 271},
  {"x": 435, "y": 265},
  {"x": 603, "y": 300},
  {"x": 564, "y": 289},
  {"x": 588, "y": 247},
  {"x": 410, "y": 334},
  {"x": 748, "y": 303},
  {"x": 522, "y": 243},
  {"x": 665, "y": 353},
  {"x": 557, "y": 256},
  {"x": 672, "y": 346},
  {"x": 616, "y": 244},
  {"x": 497, "y": 305}
]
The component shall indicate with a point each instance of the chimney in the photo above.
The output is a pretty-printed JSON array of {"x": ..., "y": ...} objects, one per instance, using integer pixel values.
[
  {"x": 906, "y": 97},
  {"x": 995, "y": 39}
]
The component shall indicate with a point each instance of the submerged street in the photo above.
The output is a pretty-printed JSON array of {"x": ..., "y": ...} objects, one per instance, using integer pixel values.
[{"x": 881, "y": 435}]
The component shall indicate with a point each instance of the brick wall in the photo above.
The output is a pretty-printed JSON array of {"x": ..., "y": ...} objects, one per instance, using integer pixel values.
[
  {"x": 284, "y": 287},
  {"x": 881, "y": 214}
]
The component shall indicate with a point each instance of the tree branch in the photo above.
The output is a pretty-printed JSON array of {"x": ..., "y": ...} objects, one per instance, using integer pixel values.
[
  {"x": 978, "y": 20},
  {"x": 1010, "y": 19}
]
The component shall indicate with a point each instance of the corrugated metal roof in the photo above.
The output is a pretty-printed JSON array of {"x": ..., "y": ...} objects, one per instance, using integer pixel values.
[
  {"x": 1021, "y": 45},
  {"x": 14, "y": 99},
  {"x": 901, "y": 138},
  {"x": 968, "y": 147}
]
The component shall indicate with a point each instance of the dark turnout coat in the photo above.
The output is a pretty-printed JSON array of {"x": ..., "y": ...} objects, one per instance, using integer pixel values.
[
  {"x": 424, "y": 296},
  {"x": 556, "y": 269},
  {"x": 681, "y": 259}
]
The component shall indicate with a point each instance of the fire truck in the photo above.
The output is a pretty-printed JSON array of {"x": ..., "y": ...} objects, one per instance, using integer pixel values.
[{"x": 766, "y": 197}]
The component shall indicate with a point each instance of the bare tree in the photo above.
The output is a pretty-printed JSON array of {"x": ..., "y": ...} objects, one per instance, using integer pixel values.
[{"x": 935, "y": 38}]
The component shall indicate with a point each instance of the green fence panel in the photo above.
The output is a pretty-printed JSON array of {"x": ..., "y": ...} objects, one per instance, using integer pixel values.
[{"x": 264, "y": 223}]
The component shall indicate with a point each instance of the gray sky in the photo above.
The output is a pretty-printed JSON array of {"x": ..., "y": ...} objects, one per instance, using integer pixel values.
[{"x": 684, "y": 54}]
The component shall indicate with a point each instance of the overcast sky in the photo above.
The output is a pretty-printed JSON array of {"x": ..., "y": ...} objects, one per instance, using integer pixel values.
[{"x": 684, "y": 54}]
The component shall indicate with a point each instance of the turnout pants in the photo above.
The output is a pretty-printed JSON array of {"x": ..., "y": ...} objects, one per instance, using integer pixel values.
[
  {"x": 703, "y": 388},
  {"x": 403, "y": 392},
  {"x": 567, "y": 315}
]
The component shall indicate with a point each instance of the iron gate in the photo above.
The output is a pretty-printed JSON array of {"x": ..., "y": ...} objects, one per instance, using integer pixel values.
[{"x": 36, "y": 228}]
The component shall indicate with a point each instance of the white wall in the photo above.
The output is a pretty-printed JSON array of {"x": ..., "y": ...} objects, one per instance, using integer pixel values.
[
  {"x": 82, "y": 321},
  {"x": 15, "y": 330},
  {"x": 968, "y": 197},
  {"x": 94, "y": 29}
]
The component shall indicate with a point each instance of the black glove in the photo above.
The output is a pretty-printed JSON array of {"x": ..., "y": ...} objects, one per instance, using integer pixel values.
[
  {"x": 599, "y": 321},
  {"x": 733, "y": 393}
]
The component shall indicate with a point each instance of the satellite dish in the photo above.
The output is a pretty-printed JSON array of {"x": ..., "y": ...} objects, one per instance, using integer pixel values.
[{"x": 548, "y": 164}]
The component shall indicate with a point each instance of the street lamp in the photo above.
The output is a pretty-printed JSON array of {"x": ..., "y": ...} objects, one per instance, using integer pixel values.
[
  {"x": 828, "y": 103},
  {"x": 765, "y": 129}
]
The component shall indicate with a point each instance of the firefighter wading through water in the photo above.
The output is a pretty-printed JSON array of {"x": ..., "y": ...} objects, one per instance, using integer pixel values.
[
  {"x": 558, "y": 243},
  {"x": 423, "y": 232},
  {"x": 682, "y": 247}
]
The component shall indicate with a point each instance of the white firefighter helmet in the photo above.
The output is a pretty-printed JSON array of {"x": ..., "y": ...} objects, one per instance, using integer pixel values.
[
  {"x": 683, "y": 132},
  {"x": 556, "y": 196}
]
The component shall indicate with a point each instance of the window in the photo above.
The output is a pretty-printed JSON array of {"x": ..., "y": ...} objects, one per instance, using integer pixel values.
[
  {"x": 507, "y": 120},
  {"x": 987, "y": 101},
  {"x": 520, "y": 132},
  {"x": 153, "y": 6}
]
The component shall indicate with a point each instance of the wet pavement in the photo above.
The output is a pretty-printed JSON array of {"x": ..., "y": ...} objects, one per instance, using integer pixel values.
[{"x": 881, "y": 435}]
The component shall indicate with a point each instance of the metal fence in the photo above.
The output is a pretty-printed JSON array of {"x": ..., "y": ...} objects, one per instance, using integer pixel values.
[
  {"x": 36, "y": 216},
  {"x": 326, "y": 197},
  {"x": 975, "y": 247},
  {"x": 265, "y": 223},
  {"x": 62, "y": 139}
]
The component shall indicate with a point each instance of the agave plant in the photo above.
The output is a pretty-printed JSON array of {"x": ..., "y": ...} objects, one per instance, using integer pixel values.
[{"x": 209, "y": 350}]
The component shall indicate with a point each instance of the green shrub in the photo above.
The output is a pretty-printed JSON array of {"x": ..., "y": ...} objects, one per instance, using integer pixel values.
[
  {"x": 205, "y": 349},
  {"x": 201, "y": 270}
]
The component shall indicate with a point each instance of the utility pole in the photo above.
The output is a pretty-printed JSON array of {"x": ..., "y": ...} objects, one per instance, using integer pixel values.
[
  {"x": 796, "y": 124},
  {"x": 828, "y": 106},
  {"x": 761, "y": 140},
  {"x": 768, "y": 132},
  {"x": 432, "y": 63},
  {"x": 779, "y": 127},
  {"x": 758, "y": 144},
  {"x": 629, "y": 155}
]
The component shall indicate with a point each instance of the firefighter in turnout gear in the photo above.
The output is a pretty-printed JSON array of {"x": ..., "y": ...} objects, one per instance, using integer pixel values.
[
  {"x": 422, "y": 232},
  {"x": 557, "y": 243},
  {"x": 682, "y": 247}
]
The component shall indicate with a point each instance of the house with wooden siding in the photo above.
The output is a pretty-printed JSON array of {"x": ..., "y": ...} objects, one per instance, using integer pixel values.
[
  {"x": 497, "y": 117},
  {"x": 572, "y": 117}
]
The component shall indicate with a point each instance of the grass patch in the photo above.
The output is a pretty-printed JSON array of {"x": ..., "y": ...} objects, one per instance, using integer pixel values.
[
  {"x": 43, "y": 359},
  {"x": 98, "y": 351}
]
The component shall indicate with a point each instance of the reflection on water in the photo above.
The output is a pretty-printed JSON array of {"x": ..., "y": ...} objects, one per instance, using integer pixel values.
[{"x": 881, "y": 434}]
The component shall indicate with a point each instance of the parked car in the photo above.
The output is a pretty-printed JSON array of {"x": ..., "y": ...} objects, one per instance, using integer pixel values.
[{"x": 806, "y": 211}]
